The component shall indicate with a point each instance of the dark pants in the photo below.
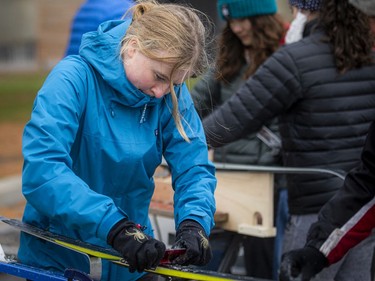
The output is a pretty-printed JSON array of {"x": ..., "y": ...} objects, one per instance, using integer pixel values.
[
  {"x": 373, "y": 266},
  {"x": 258, "y": 253}
]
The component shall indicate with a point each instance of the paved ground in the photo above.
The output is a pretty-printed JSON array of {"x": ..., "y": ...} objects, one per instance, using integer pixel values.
[
  {"x": 11, "y": 205},
  {"x": 9, "y": 242},
  {"x": 10, "y": 148}
]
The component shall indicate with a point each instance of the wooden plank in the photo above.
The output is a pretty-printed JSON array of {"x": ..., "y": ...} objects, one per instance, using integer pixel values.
[
  {"x": 248, "y": 199},
  {"x": 162, "y": 200},
  {"x": 166, "y": 210},
  {"x": 244, "y": 201}
]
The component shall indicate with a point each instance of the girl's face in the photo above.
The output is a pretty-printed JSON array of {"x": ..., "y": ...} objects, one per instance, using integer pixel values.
[
  {"x": 148, "y": 75},
  {"x": 242, "y": 29}
]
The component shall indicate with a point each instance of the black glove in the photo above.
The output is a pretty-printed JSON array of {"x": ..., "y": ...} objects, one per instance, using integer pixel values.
[
  {"x": 191, "y": 236},
  {"x": 304, "y": 263},
  {"x": 139, "y": 250}
]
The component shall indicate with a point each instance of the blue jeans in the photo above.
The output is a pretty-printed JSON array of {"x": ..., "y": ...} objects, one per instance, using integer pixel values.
[{"x": 282, "y": 215}]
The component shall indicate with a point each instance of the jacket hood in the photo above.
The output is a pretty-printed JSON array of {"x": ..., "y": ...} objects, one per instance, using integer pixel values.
[{"x": 101, "y": 49}]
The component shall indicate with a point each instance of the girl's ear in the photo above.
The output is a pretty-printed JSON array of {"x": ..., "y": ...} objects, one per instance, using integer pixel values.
[{"x": 132, "y": 48}]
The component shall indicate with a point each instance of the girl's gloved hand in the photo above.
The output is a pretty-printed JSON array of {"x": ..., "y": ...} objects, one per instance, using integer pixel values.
[
  {"x": 191, "y": 236},
  {"x": 139, "y": 250}
]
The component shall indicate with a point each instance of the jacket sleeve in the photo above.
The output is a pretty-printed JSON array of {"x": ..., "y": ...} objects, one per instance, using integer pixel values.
[
  {"x": 193, "y": 175},
  {"x": 269, "y": 92},
  {"x": 349, "y": 217},
  {"x": 206, "y": 94}
]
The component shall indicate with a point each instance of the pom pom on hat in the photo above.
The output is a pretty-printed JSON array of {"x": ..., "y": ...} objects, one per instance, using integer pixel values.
[
  {"x": 310, "y": 5},
  {"x": 235, "y": 9}
]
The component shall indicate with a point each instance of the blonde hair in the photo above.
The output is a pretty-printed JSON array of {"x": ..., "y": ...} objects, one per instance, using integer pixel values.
[{"x": 182, "y": 32}]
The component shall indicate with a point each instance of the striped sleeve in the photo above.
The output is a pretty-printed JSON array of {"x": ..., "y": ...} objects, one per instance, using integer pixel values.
[{"x": 350, "y": 234}]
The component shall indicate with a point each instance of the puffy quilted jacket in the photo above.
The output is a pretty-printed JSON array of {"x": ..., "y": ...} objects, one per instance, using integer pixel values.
[{"x": 324, "y": 116}]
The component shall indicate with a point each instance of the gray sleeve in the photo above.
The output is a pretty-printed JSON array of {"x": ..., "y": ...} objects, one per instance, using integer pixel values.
[{"x": 206, "y": 94}]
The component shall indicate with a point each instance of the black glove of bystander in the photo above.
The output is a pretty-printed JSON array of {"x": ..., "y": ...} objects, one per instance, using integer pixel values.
[
  {"x": 304, "y": 263},
  {"x": 139, "y": 250},
  {"x": 191, "y": 236}
]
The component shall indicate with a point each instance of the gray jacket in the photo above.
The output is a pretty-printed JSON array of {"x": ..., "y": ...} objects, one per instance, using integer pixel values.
[{"x": 208, "y": 93}]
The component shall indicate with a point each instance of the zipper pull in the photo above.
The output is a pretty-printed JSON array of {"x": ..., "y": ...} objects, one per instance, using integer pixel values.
[{"x": 143, "y": 116}]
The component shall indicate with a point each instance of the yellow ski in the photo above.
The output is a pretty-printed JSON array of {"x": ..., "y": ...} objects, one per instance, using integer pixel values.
[{"x": 183, "y": 272}]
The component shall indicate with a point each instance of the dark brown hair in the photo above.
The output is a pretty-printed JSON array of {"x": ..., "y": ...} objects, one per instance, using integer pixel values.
[
  {"x": 267, "y": 33},
  {"x": 348, "y": 30}
]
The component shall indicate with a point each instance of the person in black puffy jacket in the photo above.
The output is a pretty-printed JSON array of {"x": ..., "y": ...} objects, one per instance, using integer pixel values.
[
  {"x": 321, "y": 88},
  {"x": 347, "y": 220}
]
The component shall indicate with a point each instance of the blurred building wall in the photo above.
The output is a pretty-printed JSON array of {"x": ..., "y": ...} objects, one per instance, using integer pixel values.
[
  {"x": 34, "y": 33},
  {"x": 53, "y": 29},
  {"x": 15, "y": 18},
  {"x": 17, "y": 34},
  {"x": 284, "y": 9}
]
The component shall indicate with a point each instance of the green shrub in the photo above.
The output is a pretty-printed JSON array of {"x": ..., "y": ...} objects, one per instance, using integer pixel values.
[{"x": 17, "y": 93}]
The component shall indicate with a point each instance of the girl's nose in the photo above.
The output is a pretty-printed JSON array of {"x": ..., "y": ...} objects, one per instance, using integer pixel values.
[
  {"x": 236, "y": 28},
  {"x": 160, "y": 90}
]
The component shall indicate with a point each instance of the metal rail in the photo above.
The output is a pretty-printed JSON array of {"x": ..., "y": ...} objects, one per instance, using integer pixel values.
[{"x": 277, "y": 169}]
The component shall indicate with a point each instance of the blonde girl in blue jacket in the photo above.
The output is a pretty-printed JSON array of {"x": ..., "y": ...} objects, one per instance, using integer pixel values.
[{"x": 99, "y": 128}]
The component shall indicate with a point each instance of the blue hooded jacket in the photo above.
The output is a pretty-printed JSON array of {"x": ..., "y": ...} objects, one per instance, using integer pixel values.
[{"x": 91, "y": 149}]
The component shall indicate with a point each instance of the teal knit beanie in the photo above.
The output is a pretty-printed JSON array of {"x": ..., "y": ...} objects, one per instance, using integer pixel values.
[{"x": 234, "y": 9}]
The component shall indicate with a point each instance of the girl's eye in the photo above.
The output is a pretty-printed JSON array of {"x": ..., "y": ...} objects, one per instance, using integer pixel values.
[{"x": 159, "y": 78}]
